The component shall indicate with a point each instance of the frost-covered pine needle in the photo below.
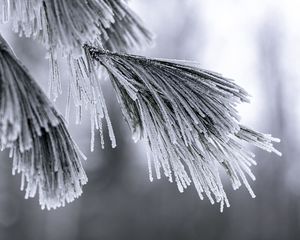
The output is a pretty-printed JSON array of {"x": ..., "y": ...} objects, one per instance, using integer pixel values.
[
  {"x": 188, "y": 118},
  {"x": 63, "y": 27},
  {"x": 40, "y": 145},
  {"x": 126, "y": 32}
]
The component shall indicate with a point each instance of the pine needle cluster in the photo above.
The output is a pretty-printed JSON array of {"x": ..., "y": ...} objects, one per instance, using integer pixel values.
[
  {"x": 36, "y": 135},
  {"x": 188, "y": 119}
]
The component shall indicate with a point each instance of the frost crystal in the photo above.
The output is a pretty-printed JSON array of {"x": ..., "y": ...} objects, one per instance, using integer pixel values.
[
  {"x": 40, "y": 145},
  {"x": 188, "y": 118},
  {"x": 64, "y": 27}
]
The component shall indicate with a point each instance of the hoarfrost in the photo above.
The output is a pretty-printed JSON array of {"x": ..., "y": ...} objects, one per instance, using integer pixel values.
[
  {"x": 40, "y": 145},
  {"x": 187, "y": 116}
]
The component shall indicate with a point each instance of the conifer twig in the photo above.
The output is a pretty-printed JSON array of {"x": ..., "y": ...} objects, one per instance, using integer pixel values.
[
  {"x": 188, "y": 118},
  {"x": 40, "y": 145}
]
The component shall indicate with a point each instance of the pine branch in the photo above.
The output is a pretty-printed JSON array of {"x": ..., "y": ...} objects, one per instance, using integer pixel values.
[
  {"x": 188, "y": 118},
  {"x": 186, "y": 115},
  {"x": 40, "y": 145}
]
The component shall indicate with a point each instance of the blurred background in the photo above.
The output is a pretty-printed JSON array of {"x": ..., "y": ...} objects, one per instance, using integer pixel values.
[{"x": 254, "y": 42}]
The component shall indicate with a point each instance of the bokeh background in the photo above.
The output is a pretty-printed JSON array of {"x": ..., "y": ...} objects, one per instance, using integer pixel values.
[{"x": 255, "y": 42}]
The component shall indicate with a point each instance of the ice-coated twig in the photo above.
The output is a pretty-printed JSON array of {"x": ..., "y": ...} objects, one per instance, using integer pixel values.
[
  {"x": 63, "y": 27},
  {"x": 43, "y": 152},
  {"x": 188, "y": 118}
]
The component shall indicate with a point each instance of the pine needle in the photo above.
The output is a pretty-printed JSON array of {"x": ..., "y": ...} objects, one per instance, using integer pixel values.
[
  {"x": 188, "y": 118},
  {"x": 40, "y": 145}
]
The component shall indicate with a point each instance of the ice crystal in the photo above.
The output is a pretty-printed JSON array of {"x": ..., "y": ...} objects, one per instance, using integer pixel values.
[
  {"x": 40, "y": 145},
  {"x": 64, "y": 27},
  {"x": 188, "y": 118}
]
